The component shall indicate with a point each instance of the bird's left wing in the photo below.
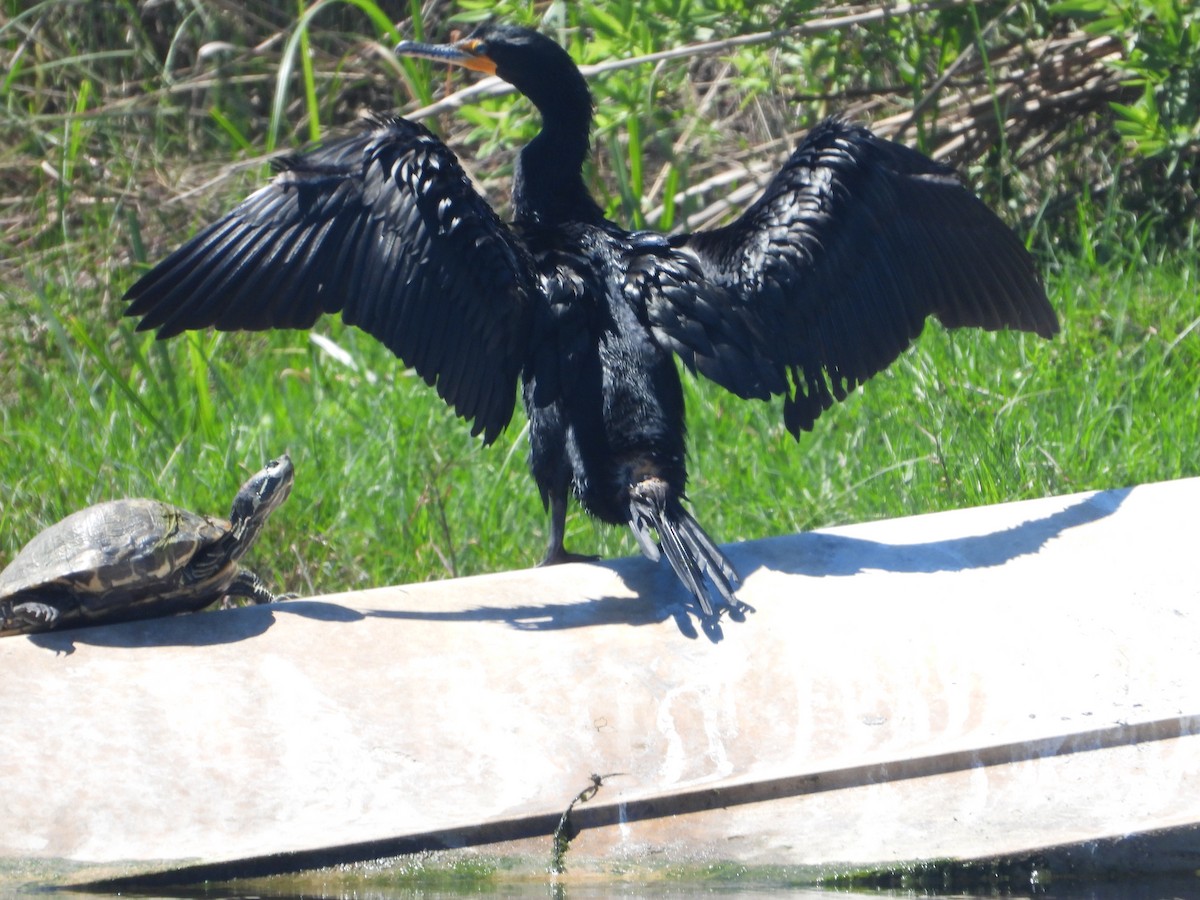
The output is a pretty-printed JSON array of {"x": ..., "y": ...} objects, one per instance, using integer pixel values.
[
  {"x": 384, "y": 226},
  {"x": 832, "y": 272}
]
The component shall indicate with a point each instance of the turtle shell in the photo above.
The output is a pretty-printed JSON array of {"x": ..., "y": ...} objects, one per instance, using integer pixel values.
[{"x": 115, "y": 556}]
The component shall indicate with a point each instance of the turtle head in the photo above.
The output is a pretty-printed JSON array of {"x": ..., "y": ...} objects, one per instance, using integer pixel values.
[{"x": 258, "y": 498}]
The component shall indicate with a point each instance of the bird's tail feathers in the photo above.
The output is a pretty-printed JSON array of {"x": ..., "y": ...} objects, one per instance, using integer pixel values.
[{"x": 693, "y": 555}]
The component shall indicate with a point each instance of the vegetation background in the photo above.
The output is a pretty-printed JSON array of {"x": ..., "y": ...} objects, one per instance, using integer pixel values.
[{"x": 127, "y": 126}]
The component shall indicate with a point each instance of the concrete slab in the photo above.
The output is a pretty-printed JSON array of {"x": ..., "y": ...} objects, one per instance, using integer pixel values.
[{"x": 975, "y": 683}]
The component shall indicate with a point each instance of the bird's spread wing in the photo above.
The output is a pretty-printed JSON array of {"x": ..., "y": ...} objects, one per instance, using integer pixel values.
[
  {"x": 834, "y": 269},
  {"x": 384, "y": 226}
]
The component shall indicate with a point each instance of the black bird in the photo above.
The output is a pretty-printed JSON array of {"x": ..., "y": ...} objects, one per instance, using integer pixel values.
[{"x": 817, "y": 286}]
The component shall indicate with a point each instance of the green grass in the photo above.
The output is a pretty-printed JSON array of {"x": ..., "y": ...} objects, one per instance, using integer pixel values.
[{"x": 390, "y": 485}]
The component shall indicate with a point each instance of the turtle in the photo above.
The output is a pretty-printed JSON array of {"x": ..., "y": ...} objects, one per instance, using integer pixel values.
[{"x": 138, "y": 558}]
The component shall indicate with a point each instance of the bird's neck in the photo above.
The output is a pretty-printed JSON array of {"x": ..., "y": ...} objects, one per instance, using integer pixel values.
[{"x": 548, "y": 186}]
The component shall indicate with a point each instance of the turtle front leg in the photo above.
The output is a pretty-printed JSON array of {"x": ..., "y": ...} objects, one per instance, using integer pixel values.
[
  {"x": 253, "y": 588},
  {"x": 27, "y": 616}
]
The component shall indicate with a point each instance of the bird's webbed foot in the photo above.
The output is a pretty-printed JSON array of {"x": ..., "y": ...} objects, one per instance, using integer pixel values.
[{"x": 560, "y": 554}]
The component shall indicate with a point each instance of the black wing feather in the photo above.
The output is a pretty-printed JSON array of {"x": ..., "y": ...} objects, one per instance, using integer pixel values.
[
  {"x": 384, "y": 226},
  {"x": 832, "y": 272}
]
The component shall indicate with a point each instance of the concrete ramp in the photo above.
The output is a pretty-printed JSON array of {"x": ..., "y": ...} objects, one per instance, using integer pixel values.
[{"x": 973, "y": 684}]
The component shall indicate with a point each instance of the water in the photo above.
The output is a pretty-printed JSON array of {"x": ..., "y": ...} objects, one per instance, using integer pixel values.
[
  {"x": 1060, "y": 874},
  {"x": 1158, "y": 888}
]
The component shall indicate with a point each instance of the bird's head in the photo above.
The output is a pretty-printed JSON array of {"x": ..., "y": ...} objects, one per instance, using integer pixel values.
[
  {"x": 528, "y": 60},
  {"x": 547, "y": 181}
]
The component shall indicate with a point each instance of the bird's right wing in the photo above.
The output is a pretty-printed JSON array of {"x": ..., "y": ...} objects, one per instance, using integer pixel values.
[
  {"x": 832, "y": 272},
  {"x": 385, "y": 227}
]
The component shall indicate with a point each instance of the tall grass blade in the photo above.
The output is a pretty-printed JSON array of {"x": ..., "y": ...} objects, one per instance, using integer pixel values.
[
  {"x": 310, "y": 87},
  {"x": 97, "y": 353},
  {"x": 298, "y": 43}
]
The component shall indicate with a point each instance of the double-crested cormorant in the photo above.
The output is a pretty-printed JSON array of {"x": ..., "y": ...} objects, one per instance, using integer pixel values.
[{"x": 820, "y": 284}]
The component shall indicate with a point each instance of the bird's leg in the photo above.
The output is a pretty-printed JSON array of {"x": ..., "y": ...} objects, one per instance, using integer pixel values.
[{"x": 556, "y": 553}]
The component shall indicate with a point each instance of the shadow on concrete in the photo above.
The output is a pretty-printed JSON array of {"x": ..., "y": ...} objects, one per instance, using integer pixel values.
[
  {"x": 198, "y": 629},
  {"x": 320, "y": 610},
  {"x": 817, "y": 555},
  {"x": 660, "y": 596}
]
